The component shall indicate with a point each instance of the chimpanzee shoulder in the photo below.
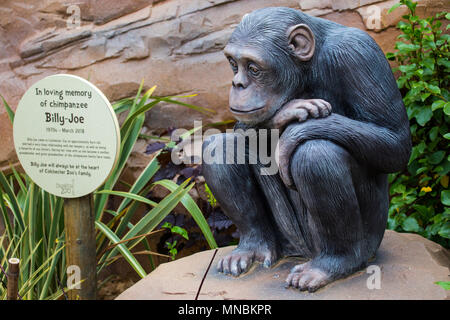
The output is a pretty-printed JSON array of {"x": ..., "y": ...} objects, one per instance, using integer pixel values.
[
  {"x": 355, "y": 69},
  {"x": 346, "y": 47}
]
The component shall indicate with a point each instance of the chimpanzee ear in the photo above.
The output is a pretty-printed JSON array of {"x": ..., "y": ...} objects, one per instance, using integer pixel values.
[{"x": 301, "y": 40}]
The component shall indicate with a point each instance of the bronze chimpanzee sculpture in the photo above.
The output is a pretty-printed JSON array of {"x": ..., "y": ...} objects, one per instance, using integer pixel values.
[{"x": 331, "y": 92}]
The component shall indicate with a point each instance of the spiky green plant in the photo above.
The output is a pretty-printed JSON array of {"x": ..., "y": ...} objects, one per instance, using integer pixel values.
[{"x": 34, "y": 219}]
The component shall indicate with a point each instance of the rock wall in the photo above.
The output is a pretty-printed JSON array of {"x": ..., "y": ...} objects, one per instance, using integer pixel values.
[{"x": 175, "y": 44}]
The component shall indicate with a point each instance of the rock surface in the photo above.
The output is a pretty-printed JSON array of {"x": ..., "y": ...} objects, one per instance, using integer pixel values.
[
  {"x": 410, "y": 265},
  {"x": 175, "y": 44}
]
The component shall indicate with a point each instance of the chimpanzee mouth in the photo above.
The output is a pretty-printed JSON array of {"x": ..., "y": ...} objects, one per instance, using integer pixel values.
[{"x": 246, "y": 111}]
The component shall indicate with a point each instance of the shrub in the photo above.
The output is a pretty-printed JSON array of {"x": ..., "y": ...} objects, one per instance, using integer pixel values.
[{"x": 420, "y": 198}]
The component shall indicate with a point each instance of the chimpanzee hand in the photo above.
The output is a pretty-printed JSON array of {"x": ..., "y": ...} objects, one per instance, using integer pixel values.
[{"x": 300, "y": 110}]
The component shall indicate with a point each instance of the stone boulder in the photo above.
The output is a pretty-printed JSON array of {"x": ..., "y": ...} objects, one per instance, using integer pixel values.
[{"x": 409, "y": 264}]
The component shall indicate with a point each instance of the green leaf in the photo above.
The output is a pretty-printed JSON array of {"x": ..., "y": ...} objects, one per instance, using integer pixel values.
[
  {"x": 436, "y": 157},
  {"x": 424, "y": 24},
  {"x": 395, "y": 6},
  {"x": 447, "y": 136},
  {"x": 445, "y": 197},
  {"x": 411, "y": 6},
  {"x": 407, "y": 48},
  {"x": 401, "y": 188},
  {"x": 437, "y": 104},
  {"x": 445, "y": 230},
  {"x": 423, "y": 169},
  {"x": 434, "y": 89},
  {"x": 390, "y": 56},
  {"x": 443, "y": 62},
  {"x": 409, "y": 67},
  {"x": 410, "y": 224},
  {"x": 182, "y": 232},
  {"x": 444, "y": 284},
  {"x": 424, "y": 115},
  {"x": 424, "y": 96},
  {"x": 433, "y": 133},
  {"x": 447, "y": 108}
]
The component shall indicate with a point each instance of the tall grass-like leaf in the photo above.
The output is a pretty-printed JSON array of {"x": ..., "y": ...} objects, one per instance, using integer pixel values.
[
  {"x": 122, "y": 105},
  {"x": 140, "y": 111},
  {"x": 8, "y": 110},
  {"x": 46, "y": 214},
  {"x": 130, "y": 196},
  {"x": 137, "y": 110},
  {"x": 100, "y": 201},
  {"x": 143, "y": 179},
  {"x": 122, "y": 248},
  {"x": 130, "y": 211},
  {"x": 191, "y": 106},
  {"x": 194, "y": 210},
  {"x": 153, "y": 217},
  {"x": 129, "y": 138},
  {"x": 148, "y": 173},
  {"x": 31, "y": 213},
  {"x": 126, "y": 148},
  {"x": 57, "y": 212},
  {"x": 15, "y": 208},
  {"x": 18, "y": 179},
  {"x": 31, "y": 244},
  {"x": 136, "y": 98},
  {"x": 6, "y": 220},
  {"x": 36, "y": 276},
  {"x": 52, "y": 260}
]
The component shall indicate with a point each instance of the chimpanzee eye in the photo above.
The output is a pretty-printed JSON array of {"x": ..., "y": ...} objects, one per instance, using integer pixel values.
[
  {"x": 253, "y": 70},
  {"x": 233, "y": 65}
]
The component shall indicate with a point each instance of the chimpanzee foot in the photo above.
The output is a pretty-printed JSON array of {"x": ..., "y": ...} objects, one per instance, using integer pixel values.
[
  {"x": 240, "y": 260},
  {"x": 307, "y": 277}
]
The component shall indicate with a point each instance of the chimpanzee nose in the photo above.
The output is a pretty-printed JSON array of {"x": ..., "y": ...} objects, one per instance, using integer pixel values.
[
  {"x": 237, "y": 85},
  {"x": 239, "y": 81}
]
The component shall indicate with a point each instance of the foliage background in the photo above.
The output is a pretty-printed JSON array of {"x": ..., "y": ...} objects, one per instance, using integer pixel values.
[{"x": 420, "y": 197}]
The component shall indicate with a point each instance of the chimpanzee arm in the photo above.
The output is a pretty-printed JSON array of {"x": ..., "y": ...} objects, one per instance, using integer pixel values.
[{"x": 372, "y": 124}]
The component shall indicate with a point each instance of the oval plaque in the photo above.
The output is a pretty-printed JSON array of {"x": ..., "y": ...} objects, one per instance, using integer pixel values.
[{"x": 66, "y": 135}]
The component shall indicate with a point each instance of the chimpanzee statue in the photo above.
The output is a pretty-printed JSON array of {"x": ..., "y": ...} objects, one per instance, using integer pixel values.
[{"x": 331, "y": 93}]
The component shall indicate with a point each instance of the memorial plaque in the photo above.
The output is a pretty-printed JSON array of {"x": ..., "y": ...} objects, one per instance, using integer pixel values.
[{"x": 66, "y": 135}]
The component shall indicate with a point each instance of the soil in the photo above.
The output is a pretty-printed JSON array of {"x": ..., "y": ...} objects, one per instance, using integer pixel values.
[{"x": 115, "y": 285}]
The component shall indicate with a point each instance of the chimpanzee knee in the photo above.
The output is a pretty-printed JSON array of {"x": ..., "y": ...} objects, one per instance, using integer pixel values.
[
  {"x": 322, "y": 172},
  {"x": 318, "y": 160}
]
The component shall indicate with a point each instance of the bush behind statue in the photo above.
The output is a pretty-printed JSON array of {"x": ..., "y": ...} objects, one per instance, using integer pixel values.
[{"x": 420, "y": 200}]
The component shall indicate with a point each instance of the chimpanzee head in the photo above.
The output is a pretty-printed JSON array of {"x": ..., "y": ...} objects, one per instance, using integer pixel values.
[{"x": 268, "y": 52}]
